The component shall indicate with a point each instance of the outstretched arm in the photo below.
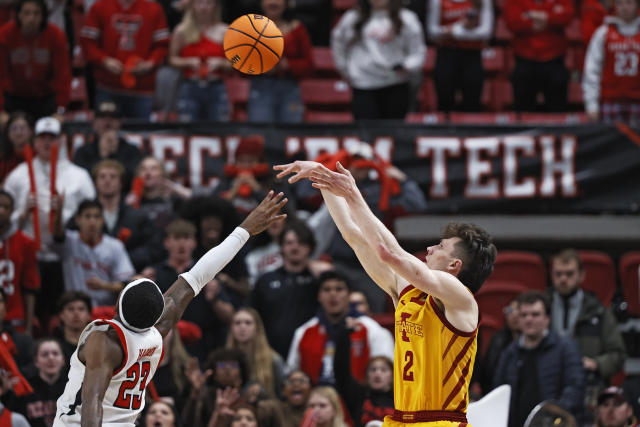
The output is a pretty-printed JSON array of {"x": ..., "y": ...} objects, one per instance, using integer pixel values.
[{"x": 189, "y": 284}]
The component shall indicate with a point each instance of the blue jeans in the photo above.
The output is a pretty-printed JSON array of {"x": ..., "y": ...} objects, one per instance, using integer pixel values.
[
  {"x": 129, "y": 106},
  {"x": 273, "y": 99},
  {"x": 207, "y": 101}
]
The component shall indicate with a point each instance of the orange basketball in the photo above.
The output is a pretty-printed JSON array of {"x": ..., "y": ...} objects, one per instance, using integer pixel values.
[{"x": 253, "y": 44}]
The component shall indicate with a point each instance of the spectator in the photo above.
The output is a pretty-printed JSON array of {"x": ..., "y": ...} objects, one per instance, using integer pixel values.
[
  {"x": 631, "y": 386},
  {"x": 161, "y": 414},
  {"x": 314, "y": 342},
  {"x": 35, "y": 75},
  {"x": 592, "y": 13},
  {"x": 359, "y": 302},
  {"x": 611, "y": 84},
  {"x": 376, "y": 48},
  {"x": 247, "y": 334},
  {"x": 211, "y": 310},
  {"x": 580, "y": 315},
  {"x": 196, "y": 49},
  {"x": 20, "y": 280},
  {"x": 7, "y": 9},
  {"x": 126, "y": 41},
  {"x": 539, "y": 45},
  {"x": 92, "y": 261},
  {"x": 460, "y": 29},
  {"x": 540, "y": 365},
  {"x": 292, "y": 286},
  {"x": 275, "y": 96},
  {"x": 48, "y": 384},
  {"x": 317, "y": 17},
  {"x": 169, "y": 379},
  {"x": 16, "y": 420},
  {"x": 614, "y": 409},
  {"x": 17, "y": 135},
  {"x": 106, "y": 143},
  {"x": 75, "y": 314},
  {"x": 325, "y": 406},
  {"x": 19, "y": 345},
  {"x": 71, "y": 180},
  {"x": 138, "y": 233}
]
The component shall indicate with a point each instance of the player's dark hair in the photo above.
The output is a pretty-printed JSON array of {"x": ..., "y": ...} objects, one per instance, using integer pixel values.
[
  {"x": 566, "y": 256},
  {"x": 475, "y": 249},
  {"x": 532, "y": 297},
  {"x": 8, "y": 196},
  {"x": 43, "y": 8},
  {"x": 73, "y": 296},
  {"x": 333, "y": 275},
  {"x": 88, "y": 204},
  {"x": 302, "y": 231},
  {"x": 364, "y": 9},
  {"x": 229, "y": 355},
  {"x": 142, "y": 305}
]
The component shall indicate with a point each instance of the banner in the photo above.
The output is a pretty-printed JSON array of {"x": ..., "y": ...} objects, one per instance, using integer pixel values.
[{"x": 461, "y": 169}]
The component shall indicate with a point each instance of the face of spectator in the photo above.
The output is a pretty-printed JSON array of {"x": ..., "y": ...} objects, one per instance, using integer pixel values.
[
  {"x": 49, "y": 359},
  {"x": 75, "y": 315},
  {"x": 90, "y": 223},
  {"x": 244, "y": 418},
  {"x": 322, "y": 409},
  {"x": 333, "y": 297},
  {"x": 160, "y": 415},
  {"x": 627, "y": 10},
  {"x": 379, "y": 4},
  {"x": 614, "y": 412},
  {"x": 380, "y": 375},
  {"x": 275, "y": 229},
  {"x": 512, "y": 316},
  {"x": 180, "y": 248},
  {"x": 296, "y": 389},
  {"x": 204, "y": 9},
  {"x": 6, "y": 207},
  {"x": 151, "y": 172},
  {"x": 20, "y": 134},
  {"x": 359, "y": 301},
  {"x": 30, "y": 17},
  {"x": 533, "y": 320},
  {"x": 42, "y": 145},
  {"x": 108, "y": 143},
  {"x": 102, "y": 124},
  {"x": 243, "y": 327},
  {"x": 294, "y": 251},
  {"x": 273, "y": 8},
  {"x": 108, "y": 182},
  {"x": 439, "y": 256},
  {"x": 210, "y": 231},
  {"x": 227, "y": 373},
  {"x": 566, "y": 276}
]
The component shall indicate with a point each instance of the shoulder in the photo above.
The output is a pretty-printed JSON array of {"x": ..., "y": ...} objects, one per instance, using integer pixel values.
[
  {"x": 152, "y": 5},
  {"x": 111, "y": 243},
  {"x": 350, "y": 17},
  {"x": 103, "y": 345},
  {"x": 8, "y": 28},
  {"x": 18, "y": 174},
  {"x": 409, "y": 16},
  {"x": 308, "y": 324},
  {"x": 53, "y": 30}
]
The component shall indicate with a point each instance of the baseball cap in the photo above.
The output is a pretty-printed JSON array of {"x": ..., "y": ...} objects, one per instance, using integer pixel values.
[
  {"x": 107, "y": 109},
  {"x": 615, "y": 392},
  {"x": 47, "y": 125}
]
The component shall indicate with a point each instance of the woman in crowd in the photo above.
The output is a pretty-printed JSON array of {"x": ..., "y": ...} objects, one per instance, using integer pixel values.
[
  {"x": 275, "y": 96},
  {"x": 169, "y": 379},
  {"x": 377, "y": 47},
  {"x": 196, "y": 49},
  {"x": 265, "y": 364},
  {"x": 325, "y": 406},
  {"x": 17, "y": 134},
  {"x": 161, "y": 414}
]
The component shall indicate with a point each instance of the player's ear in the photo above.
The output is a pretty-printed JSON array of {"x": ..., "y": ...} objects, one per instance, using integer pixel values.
[{"x": 455, "y": 265}]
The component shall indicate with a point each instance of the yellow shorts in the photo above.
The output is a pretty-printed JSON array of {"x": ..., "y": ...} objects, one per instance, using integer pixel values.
[{"x": 388, "y": 422}]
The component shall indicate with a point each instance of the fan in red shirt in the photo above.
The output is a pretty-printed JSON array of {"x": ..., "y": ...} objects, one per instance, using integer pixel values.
[
  {"x": 35, "y": 75},
  {"x": 126, "y": 40},
  {"x": 275, "y": 96},
  {"x": 539, "y": 45},
  {"x": 18, "y": 269}
]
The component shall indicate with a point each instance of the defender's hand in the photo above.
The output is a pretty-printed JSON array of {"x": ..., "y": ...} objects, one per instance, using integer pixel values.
[
  {"x": 301, "y": 168},
  {"x": 265, "y": 214}
]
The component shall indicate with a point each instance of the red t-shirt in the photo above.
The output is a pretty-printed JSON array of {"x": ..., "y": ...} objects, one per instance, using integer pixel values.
[
  {"x": 18, "y": 271},
  {"x": 203, "y": 49},
  {"x": 452, "y": 11},
  {"x": 620, "y": 78},
  {"x": 34, "y": 67},
  {"x": 297, "y": 50}
]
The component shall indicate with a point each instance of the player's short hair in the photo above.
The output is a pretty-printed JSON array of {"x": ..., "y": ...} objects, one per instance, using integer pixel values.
[
  {"x": 73, "y": 296},
  {"x": 475, "y": 249},
  {"x": 532, "y": 297},
  {"x": 109, "y": 164},
  {"x": 302, "y": 231},
  {"x": 88, "y": 204},
  {"x": 566, "y": 256},
  {"x": 333, "y": 275},
  {"x": 141, "y": 305},
  {"x": 180, "y": 228},
  {"x": 8, "y": 196}
]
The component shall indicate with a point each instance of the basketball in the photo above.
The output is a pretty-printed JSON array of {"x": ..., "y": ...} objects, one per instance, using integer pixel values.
[{"x": 253, "y": 44}]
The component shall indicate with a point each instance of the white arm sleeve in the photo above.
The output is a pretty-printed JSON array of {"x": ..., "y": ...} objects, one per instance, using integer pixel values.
[
  {"x": 592, "y": 75},
  {"x": 213, "y": 261}
]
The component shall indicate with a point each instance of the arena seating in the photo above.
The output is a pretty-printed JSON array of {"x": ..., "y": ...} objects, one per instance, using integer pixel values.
[
  {"x": 628, "y": 270},
  {"x": 600, "y": 275},
  {"x": 526, "y": 267}
]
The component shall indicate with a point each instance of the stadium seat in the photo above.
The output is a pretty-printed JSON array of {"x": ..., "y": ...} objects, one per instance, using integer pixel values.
[
  {"x": 430, "y": 63},
  {"x": 600, "y": 275},
  {"x": 425, "y": 118},
  {"x": 493, "y": 59},
  {"x": 495, "y": 295},
  {"x": 575, "y": 94},
  {"x": 482, "y": 118},
  {"x": 489, "y": 325},
  {"x": 554, "y": 118},
  {"x": 342, "y": 5},
  {"x": 502, "y": 33},
  {"x": 78, "y": 96},
  {"x": 427, "y": 98},
  {"x": 628, "y": 270},
  {"x": 323, "y": 62},
  {"x": 311, "y": 116},
  {"x": 499, "y": 93},
  {"x": 527, "y": 268},
  {"x": 238, "y": 93},
  {"x": 573, "y": 31},
  {"x": 325, "y": 92},
  {"x": 574, "y": 60}
]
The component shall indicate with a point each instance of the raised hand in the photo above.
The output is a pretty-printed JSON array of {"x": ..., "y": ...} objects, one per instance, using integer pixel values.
[
  {"x": 265, "y": 214},
  {"x": 340, "y": 183},
  {"x": 301, "y": 168}
]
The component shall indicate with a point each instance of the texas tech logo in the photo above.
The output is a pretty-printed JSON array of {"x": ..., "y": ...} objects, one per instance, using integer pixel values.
[{"x": 127, "y": 27}]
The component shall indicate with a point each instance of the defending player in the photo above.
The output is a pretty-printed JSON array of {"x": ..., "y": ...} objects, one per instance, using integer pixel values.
[
  {"x": 117, "y": 358},
  {"x": 436, "y": 319}
]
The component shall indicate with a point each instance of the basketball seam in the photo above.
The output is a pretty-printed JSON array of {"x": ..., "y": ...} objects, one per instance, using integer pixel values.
[
  {"x": 256, "y": 30},
  {"x": 254, "y": 45},
  {"x": 249, "y": 35}
]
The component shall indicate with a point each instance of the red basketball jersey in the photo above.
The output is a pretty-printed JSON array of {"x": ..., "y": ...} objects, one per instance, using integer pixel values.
[
  {"x": 18, "y": 270},
  {"x": 620, "y": 79}
]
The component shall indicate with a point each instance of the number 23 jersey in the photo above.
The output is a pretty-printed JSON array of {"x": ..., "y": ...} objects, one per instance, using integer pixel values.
[
  {"x": 124, "y": 398},
  {"x": 433, "y": 360}
]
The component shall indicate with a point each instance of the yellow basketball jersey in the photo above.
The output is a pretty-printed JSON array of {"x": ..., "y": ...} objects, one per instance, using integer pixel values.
[{"x": 433, "y": 361}]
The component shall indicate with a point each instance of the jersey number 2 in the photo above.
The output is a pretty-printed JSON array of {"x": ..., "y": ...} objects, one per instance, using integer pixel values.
[{"x": 137, "y": 373}]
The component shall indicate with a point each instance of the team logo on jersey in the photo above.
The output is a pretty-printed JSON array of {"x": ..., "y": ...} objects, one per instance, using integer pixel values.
[
  {"x": 127, "y": 26},
  {"x": 409, "y": 328},
  {"x": 146, "y": 352}
]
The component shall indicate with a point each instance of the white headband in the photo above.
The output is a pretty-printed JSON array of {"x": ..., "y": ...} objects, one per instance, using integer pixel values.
[{"x": 126, "y": 288}]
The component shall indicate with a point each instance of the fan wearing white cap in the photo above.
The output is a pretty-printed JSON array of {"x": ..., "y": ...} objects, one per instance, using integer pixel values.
[{"x": 116, "y": 358}]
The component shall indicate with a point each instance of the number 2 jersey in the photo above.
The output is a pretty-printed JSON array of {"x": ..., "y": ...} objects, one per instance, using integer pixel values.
[
  {"x": 433, "y": 361},
  {"x": 124, "y": 399}
]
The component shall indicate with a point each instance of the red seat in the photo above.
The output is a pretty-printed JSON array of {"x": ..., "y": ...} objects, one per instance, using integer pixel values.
[
  {"x": 425, "y": 118},
  {"x": 554, "y": 118},
  {"x": 495, "y": 295},
  {"x": 575, "y": 93},
  {"x": 501, "y": 94},
  {"x": 524, "y": 267},
  {"x": 629, "y": 278},
  {"x": 502, "y": 34},
  {"x": 482, "y": 118},
  {"x": 238, "y": 93},
  {"x": 600, "y": 275},
  {"x": 489, "y": 325},
  {"x": 573, "y": 31},
  {"x": 493, "y": 59},
  {"x": 323, "y": 62},
  {"x": 427, "y": 99},
  {"x": 430, "y": 63},
  {"x": 311, "y": 116},
  {"x": 342, "y": 5},
  {"x": 325, "y": 92},
  {"x": 78, "y": 95},
  {"x": 574, "y": 59}
]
